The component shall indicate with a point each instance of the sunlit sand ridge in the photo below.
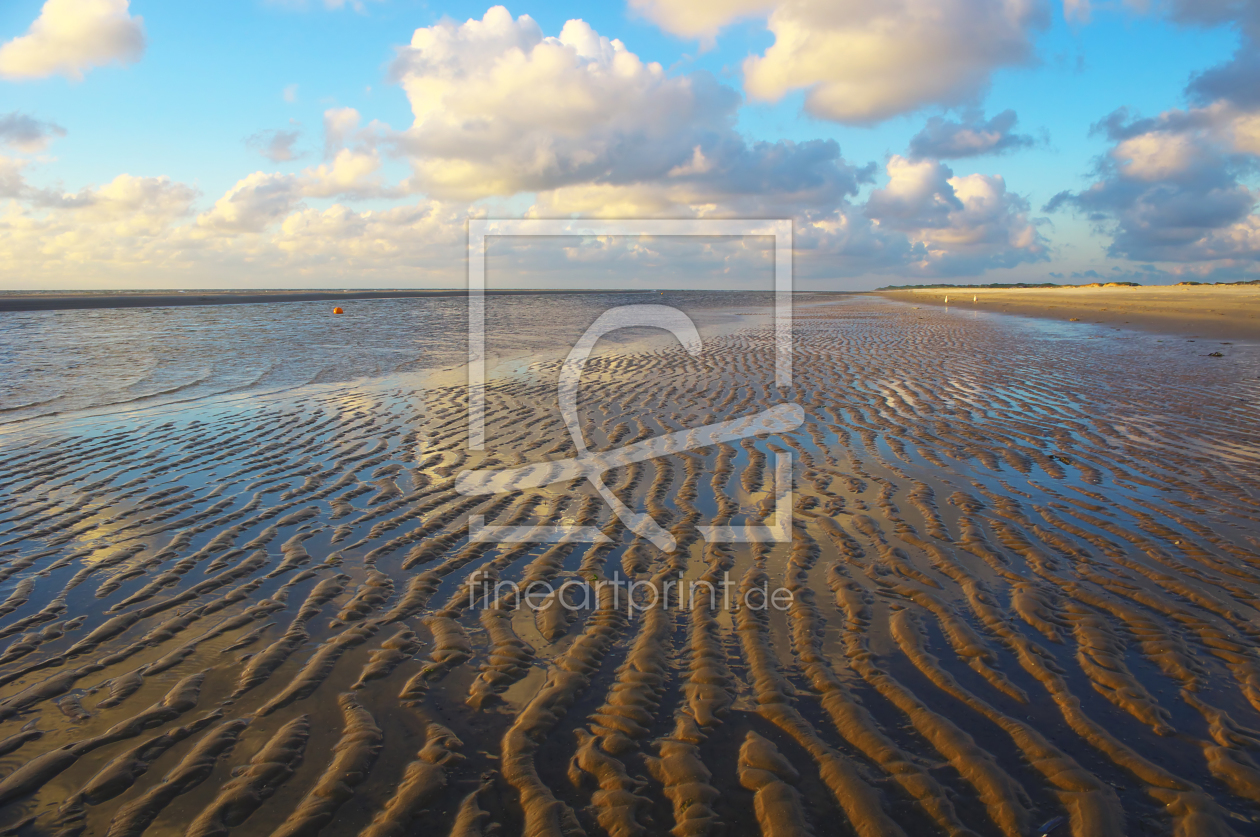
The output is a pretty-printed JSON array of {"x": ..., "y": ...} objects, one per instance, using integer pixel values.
[
  {"x": 1226, "y": 310},
  {"x": 1023, "y": 573}
]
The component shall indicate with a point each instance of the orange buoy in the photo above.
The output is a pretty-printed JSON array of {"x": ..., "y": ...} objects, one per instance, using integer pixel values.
[{"x": 338, "y": 311}]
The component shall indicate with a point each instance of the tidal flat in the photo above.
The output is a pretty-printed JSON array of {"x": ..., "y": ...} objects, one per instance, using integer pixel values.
[{"x": 1022, "y": 557}]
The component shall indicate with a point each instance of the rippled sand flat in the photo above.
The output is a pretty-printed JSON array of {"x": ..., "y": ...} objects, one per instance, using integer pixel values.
[{"x": 1024, "y": 568}]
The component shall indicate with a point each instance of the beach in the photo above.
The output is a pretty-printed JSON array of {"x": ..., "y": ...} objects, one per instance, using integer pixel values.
[
  {"x": 1212, "y": 311},
  {"x": 1015, "y": 578}
]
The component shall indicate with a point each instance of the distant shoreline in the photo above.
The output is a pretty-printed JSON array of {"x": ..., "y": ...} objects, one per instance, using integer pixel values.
[
  {"x": 40, "y": 301},
  {"x": 68, "y": 301}
]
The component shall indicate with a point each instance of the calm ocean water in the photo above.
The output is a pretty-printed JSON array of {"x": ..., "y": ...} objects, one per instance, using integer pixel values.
[{"x": 67, "y": 362}]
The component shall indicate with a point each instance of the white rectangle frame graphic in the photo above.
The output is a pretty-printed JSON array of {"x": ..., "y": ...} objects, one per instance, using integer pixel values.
[{"x": 779, "y": 229}]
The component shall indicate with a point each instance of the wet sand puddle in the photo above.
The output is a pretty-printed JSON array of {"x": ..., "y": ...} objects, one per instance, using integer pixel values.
[{"x": 1024, "y": 571}]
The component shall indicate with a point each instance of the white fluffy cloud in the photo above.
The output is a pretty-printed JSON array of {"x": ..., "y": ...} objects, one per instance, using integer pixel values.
[
  {"x": 350, "y": 173},
  {"x": 429, "y": 235},
  {"x": 255, "y": 202},
  {"x": 140, "y": 231},
  {"x": 72, "y": 36},
  {"x": 580, "y": 121},
  {"x": 262, "y": 199},
  {"x": 130, "y": 206},
  {"x": 954, "y": 225},
  {"x": 126, "y": 224},
  {"x": 863, "y": 61},
  {"x": 501, "y": 109}
]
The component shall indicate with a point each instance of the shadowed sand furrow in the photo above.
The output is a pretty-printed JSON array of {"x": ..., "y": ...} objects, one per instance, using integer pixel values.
[
  {"x": 543, "y": 813},
  {"x": 859, "y": 801},
  {"x": 421, "y": 782},
  {"x": 254, "y": 783},
  {"x": 132, "y": 819},
  {"x": 764, "y": 771},
  {"x": 1092, "y": 806},
  {"x": 122, "y": 773},
  {"x": 32, "y": 775},
  {"x": 353, "y": 756},
  {"x": 852, "y": 720}
]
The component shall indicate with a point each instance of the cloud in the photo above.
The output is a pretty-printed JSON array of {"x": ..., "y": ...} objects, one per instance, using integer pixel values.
[
  {"x": 429, "y": 235},
  {"x": 954, "y": 225},
  {"x": 924, "y": 222},
  {"x": 1171, "y": 188},
  {"x": 578, "y": 119},
  {"x": 969, "y": 137},
  {"x": 699, "y": 18},
  {"x": 500, "y": 109},
  {"x": 1243, "y": 13},
  {"x": 128, "y": 225},
  {"x": 918, "y": 196},
  {"x": 254, "y": 203},
  {"x": 331, "y": 5},
  {"x": 276, "y": 145},
  {"x": 13, "y": 185},
  {"x": 290, "y": 93},
  {"x": 12, "y": 180},
  {"x": 864, "y": 61},
  {"x": 72, "y": 36},
  {"x": 260, "y": 200},
  {"x": 138, "y": 206},
  {"x": 339, "y": 125},
  {"x": 349, "y": 174},
  {"x": 1237, "y": 80},
  {"x": 138, "y": 231},
  {"x": 1079, "y": 11},
  {"x": 27, "y": 134},
  {"x": 742, "y": 180}
]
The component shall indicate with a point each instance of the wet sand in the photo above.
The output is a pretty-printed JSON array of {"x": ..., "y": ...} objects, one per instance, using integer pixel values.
[
  {"x": 1211, "y": 311},
  {"x": 1023, "y": 568}
]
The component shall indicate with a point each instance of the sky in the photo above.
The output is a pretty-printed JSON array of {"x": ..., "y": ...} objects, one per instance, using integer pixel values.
[{"x": 346, "y": 143}]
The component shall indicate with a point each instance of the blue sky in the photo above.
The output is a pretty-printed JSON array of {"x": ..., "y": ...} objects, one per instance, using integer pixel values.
[{"x": 132, "y": 136}]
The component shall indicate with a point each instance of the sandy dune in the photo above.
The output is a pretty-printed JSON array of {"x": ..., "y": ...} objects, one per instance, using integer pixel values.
[
  {"x": 1223, "y": 311},
  {"x": 1024, "y": 596}
]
